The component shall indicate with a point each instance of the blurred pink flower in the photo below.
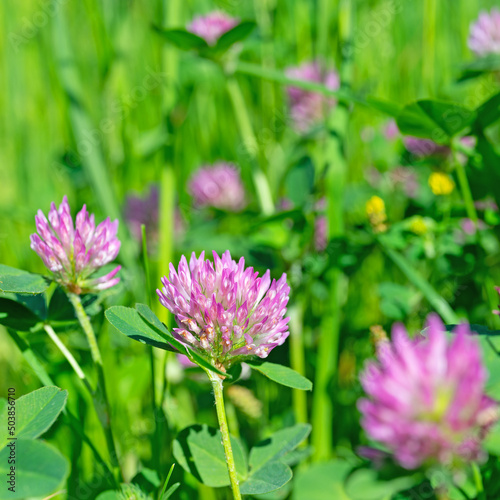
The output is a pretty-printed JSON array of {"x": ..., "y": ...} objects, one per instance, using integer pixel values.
[
  {"x": 470, "y": 227},
  {"x": 145, "y": 210},
  {"x": 224, "y": 310},
  {"x": 309, "y": 108},
  {"x": 73, "y": 252},
  {"x": 426, "y": 401},
  {"x": 212, "y": 26},
  {"x": 486, "y": 205},
  {"x": 484, "y": 37},
  {"x": 320, "y": 233},
  {"x": 218, "y": 186},
  {"x": 424, "y": 147},
  {"x": 391, "y": 130},
  {"x": 284, "y": 204}
]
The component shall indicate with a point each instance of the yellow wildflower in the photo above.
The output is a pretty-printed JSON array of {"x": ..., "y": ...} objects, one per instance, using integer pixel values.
[
  {"x": 418, "y": 225},
  {"x": 441, "y": 183},
  {"x": 375, "y": 210}
]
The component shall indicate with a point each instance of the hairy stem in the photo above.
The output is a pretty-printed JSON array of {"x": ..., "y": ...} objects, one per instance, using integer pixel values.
[{"x": 226, "y": 442}]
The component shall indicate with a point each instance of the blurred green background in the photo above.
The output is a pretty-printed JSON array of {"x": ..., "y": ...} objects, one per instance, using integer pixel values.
[{"x": 96, "y": 106}]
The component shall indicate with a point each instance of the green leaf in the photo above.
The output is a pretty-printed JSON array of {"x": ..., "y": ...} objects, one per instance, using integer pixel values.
[
  {"x": 268, "y": 472},
  {"x": 17, "y": 316},
  {"x": 435, "y": 120},
  {"x": 386, "y": 107},
  {"x": 299, "y": 182},
  {"x": 322, "y": 481},
  {"x": 170, "y": 491},
  {"x": 164, "y": 495},
  {"x": 141, "y": 324},
  {"x": 182, "y": 39},
  {"x": 40, "y": 469},
  {"x": 364, "y": 484},
  {"x": 282, "y": 375},
  {"x": 477, "y": 329},
  {"x": 480, "y": 66},
  {"x": 110, "y": 495},
  {"x": 198, "y": 449},
  {"x": 35, "y": 413},
  {"x": 235, "y": 35},
  {"x": 14, "y": 280},
  {"x": 277, "y": 445},
  {"x": 147, "y": 480},
  {"x": 150, "y": 317},
  {"x": 270, "y": 478},
  {"x": 489, "y": 112},
  {"x": 129, "y": 322}
]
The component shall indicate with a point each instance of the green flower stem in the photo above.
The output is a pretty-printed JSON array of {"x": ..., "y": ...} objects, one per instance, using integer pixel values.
[
  {"x": 478, "y": 480},
  {"x": 155, "y": 436},
  {"x": 268, "y": 102},
  {"x": 69, "y": 357},
  {"x": 226, "y": 442},
  {"x": 465, "y": 188},
  {"x": 429, "y": 40},
  {"x": 100, "y": 397},
  {"x": 463, "y": 181},
  {"x": 250, "y": 142},
  {"x": 323, "y": 21},
  {"x": 303, "y": 30},
  {"x": 297, "y": 359},
  {"x": 87, "y": 327}
]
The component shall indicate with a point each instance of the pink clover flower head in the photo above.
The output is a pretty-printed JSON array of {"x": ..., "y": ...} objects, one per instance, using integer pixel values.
[
  {"x": 218, "y": 186},
  {"x": 484, "y": 36},
  {"x": 426, "y": 401},
  {"x": 224, "y": 310},
  {"x": 308, "y": 108},
  {"x": 75, "y": 251},
  {"x": 212, "y": 26}
]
